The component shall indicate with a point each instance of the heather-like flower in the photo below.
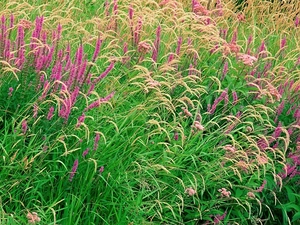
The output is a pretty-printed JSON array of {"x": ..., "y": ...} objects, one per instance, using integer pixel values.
[
  {"x": 24, "y": 126},
  {"x": 74, "y": 169},
  {"x": 197, "y": 125},
  {"x": 247, "y": 59},
  {"x": 224, "y": 192},
  {"x": 85, "y": 152},
  {"x": 273, "y": 91},
  {"x": 262, "y": 144},
  {"x": 50, "y": 113},
  {"x": 190, "y": 191},
  {"x": 261, "y": 188},
  {"x": 199, "y": 9},
  {"x": 179, "y": 42},
  {"x": 186, "y": 112},
  {"x": 80, "y": 120},
  {"x": 33, "y": 217},
  {"x": 176, "y": 136},
  {"x": 96, "y": 141},
  {"x": 10, "y": 91},
  {"x": 97, "y": 49},
  {"x": 137, "y": 31},
  {"x": 35, "y": 110},
  {"x": 101, "y": 169},
  {"x": 219, "y": 218},
  {"x": 99, "y": 102},
  {"x": 230, "y": 48},
  {"x": 282, "y": 43},
  {"x": 156, "y": 44},
  {"x": 104, "y": 74},
  {"x": 225, "y": 70}
]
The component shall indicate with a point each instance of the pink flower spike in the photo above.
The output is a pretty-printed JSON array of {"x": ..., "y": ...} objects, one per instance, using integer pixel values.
[
  {"x": 24, "y": 126},
  {"x": 98, "y": 102},
  {"x": 85, "y": 152},
  {"x": 50, "y": 113},
  {"x": 96, "y": 141},
  {"x": 74, "y": 169},
  {"x": 261, "y": 188},
  {"x": 97, "y": 49},
  {"x": 80, "y": 120}
]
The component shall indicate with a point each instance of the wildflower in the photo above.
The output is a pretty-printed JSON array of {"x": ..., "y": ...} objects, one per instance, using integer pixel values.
[
  {"x": 101, "y": 169},
  {"x": 137, "y": 31},
  {"x": 247, "y": 59},
  {"x": 219, "y": 218},
  {"x": 235, "y": 98},
  {"x": 198, "y": 126},
  {"x": 179, "y": 42},
  {"x": 250, "y": 194},
  {"x": 50, "y": 113},
  {"x": 156, "y": 44},
  {"x": 96, "y": 141},
  {"x": 261, "y": 188},
  {"x": 200, "y": 9},
  {"x": 144, "y": 47},
  {"x": 225, "y": 70},
  {"x": 10, "y": 91},
  {"x": 224, "y": 192},
  {"x": 99, "y": 101},
  {"x": 190, "y": 191},
  {"x": 24, "y": 126},
  {"x": 230, "y": 48},
  {"x": 80, "y": 120},
  {"x": 186, "y": 112},
  {"x": 104, "y": 74},
  {"x": 97, "y": 49},
  {"x": 74, "y": 169},
  {"x": 85, "y": 152},
  {"x": 33, "y": 217},
  {"x": 176, "y": 135},
  {"x": 273, "y": 91}
]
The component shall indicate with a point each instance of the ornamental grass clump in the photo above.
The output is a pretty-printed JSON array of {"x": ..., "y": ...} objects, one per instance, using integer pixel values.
[{"x": 203, "y": 127}]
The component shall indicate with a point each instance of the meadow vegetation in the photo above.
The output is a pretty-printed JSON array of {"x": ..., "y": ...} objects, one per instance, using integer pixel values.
[{"x": 149, "y": 112}]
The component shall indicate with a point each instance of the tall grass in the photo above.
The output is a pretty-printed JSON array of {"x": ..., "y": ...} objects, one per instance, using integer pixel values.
[{"x": 149, "y": 112}]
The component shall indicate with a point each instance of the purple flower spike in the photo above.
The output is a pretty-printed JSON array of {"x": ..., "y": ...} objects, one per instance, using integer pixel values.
[{"x": 74, "y": 169}]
